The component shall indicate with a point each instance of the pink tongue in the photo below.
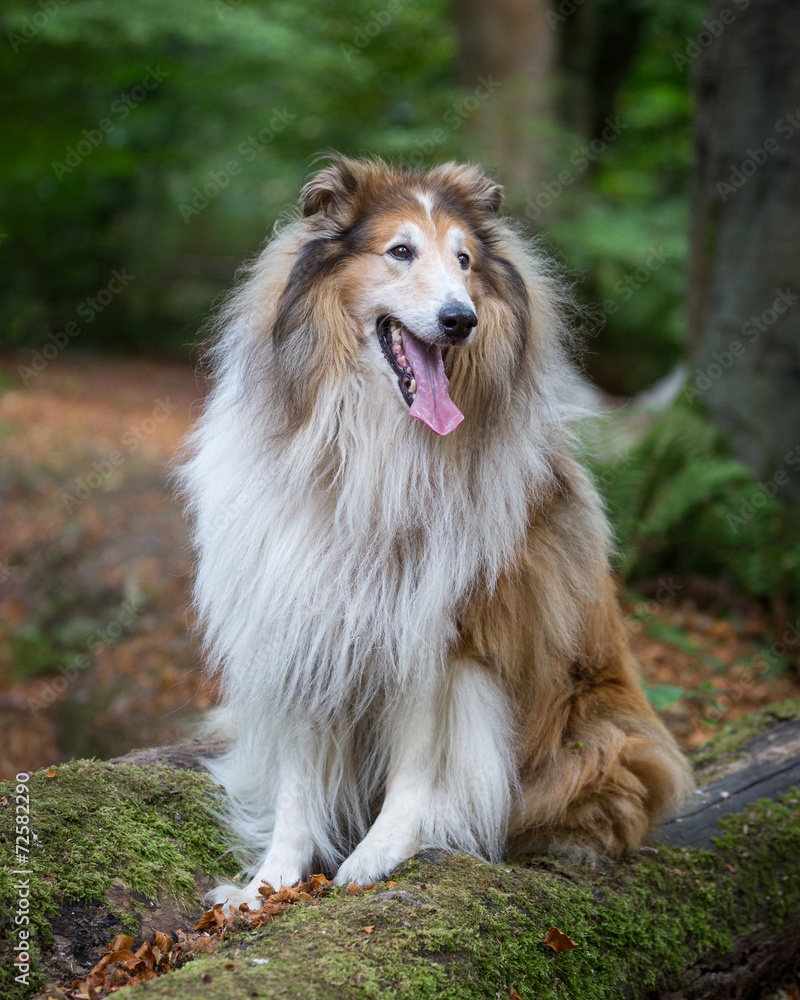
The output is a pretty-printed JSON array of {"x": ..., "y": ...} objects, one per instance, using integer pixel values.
[{"x": 432, "y": 404}]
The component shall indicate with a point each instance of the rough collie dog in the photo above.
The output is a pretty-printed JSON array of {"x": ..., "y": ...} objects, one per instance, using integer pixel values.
[{"x": 403, "y": 574}]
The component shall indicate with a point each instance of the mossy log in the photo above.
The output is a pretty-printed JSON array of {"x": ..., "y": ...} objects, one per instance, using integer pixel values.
[{"x": 711, "y": 909}]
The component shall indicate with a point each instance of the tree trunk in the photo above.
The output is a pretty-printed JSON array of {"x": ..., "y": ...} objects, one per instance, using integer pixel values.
[
  {"x": 745, "y": 254},
  {"x": 553, "y": 65},
  {"x": 128, "y": 845},
  {"x": 511, "y": 45}
]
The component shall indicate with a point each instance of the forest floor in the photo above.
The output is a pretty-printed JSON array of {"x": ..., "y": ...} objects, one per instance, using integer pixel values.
[{"x": 96, "y": 650}]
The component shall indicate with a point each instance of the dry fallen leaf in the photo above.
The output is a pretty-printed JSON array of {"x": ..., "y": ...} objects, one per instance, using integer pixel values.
[
  {"x": 51, "y": 773},
  {"x": 285, "y": 895},
  {"x": 213, "y": 920},
  {"x": 353, "y": 889},
  {"x": 559, "y": 941},
  {"x": 370, "y": 929},
  {"x": 319, "y": 883},
  {"x": 123, "y": 966},
  {"x": 122, "y": 942},
  {"x": 513, "y": 994}
]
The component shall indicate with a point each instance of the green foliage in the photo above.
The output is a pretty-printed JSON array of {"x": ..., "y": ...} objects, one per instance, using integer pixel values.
[
  {"x": 631, "y": 260},
  {"x": 623, "y": 228},
  {"x": 663, "y": 696},
  {"x": 162, "y": 138},
  {"x": 165, "y": 137},
  {"x": 42, "y": 647},
  {"x": 681, "y": 504}
]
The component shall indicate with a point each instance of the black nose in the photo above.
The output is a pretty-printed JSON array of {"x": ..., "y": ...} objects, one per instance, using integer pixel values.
[{"x": 457, "y": 321}]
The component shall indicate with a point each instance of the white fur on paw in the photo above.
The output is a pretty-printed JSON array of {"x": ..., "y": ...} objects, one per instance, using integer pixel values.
[
  {"x": 232, "y": 896},
  {"x": 280, "y": 874},
  {"x": 368, "y": 864}
]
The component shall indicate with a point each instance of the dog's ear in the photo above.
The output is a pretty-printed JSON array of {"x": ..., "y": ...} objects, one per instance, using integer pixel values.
[
  {"x": 488, "y": 194},
  {"x": 330, "y": 190},
  {"x": 472, "y": 186}
]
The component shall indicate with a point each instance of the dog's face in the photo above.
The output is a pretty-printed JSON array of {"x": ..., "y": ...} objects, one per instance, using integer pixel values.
[
  {"x": 400, "y": 266},
  {"x": 412, "y": 294}
]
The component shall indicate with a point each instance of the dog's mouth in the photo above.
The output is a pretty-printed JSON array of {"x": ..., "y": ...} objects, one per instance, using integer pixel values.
[{"x": 420, "y": 373}]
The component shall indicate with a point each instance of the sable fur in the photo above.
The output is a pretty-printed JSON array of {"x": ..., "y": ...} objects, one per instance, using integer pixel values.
[{"x": 368, "y": 588}]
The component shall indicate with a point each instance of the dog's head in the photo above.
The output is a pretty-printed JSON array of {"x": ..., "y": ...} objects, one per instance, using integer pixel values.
[{"x": 401, "y": 270}]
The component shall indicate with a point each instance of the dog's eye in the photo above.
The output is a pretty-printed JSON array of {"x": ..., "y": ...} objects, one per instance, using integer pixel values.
[
  {"x": 401, "y": 252},
  {"x": 463, "y": 260}
]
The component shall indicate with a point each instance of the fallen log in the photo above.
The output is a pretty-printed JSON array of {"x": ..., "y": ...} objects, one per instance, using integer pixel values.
[
  {"x": 711, "y": 909},
  {"x": 764, "y": 769}
]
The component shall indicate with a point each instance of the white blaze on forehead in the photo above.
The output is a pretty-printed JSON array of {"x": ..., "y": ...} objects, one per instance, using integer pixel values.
[{"x": 426, "y": 200}]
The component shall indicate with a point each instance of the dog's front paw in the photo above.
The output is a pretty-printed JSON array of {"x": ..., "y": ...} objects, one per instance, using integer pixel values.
[
  {"x": 370, "y": 863},
  {"x": 232, "y": 897}
]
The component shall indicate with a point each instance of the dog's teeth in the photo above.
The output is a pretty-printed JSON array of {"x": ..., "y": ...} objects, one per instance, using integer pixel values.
[
  {"x": 412, "y": 385},
  {"x": 396, "y": 335},
  {"x": 401, "y": 360}
]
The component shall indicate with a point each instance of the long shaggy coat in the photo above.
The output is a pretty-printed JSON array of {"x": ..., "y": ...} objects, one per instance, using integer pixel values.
[{"x": 417, "y": 633}]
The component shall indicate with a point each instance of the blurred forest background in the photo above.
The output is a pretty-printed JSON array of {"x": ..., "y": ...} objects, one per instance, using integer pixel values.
[{"x": 148, "y": 147}]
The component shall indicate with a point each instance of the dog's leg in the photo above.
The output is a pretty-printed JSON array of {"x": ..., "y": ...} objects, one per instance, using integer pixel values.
[
  {"x": 396, "y": 833},
  {"x": 449, "y": 782},
  {"x": 292, "y": 848},
  {"x": 604, "y": 770}
]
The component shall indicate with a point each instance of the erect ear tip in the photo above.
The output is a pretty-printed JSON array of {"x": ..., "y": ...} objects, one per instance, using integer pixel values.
[
  {"x": 330, "y": 186},
  {"x": 312, "y": 197},
  {"x": 486, "y": 191},
  {"x": 470, "y": 183},
  {"x": 494, "y": 195}
]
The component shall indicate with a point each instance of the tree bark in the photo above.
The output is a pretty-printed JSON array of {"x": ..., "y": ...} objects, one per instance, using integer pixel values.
[
  {"x": 744, "y": 278},
  {"x": 708, "y": 911},
  {"x": 554, "y": 65},
  {"x": 511, "y": 44}
]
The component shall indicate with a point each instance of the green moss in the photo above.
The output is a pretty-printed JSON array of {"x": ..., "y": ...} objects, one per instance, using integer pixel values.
[
  {"x": 766, "y": 839},
  {"x": 472, "y": 931},
  {"x": 450, "y": 927},
  {"x": 94, "y": 822}
]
